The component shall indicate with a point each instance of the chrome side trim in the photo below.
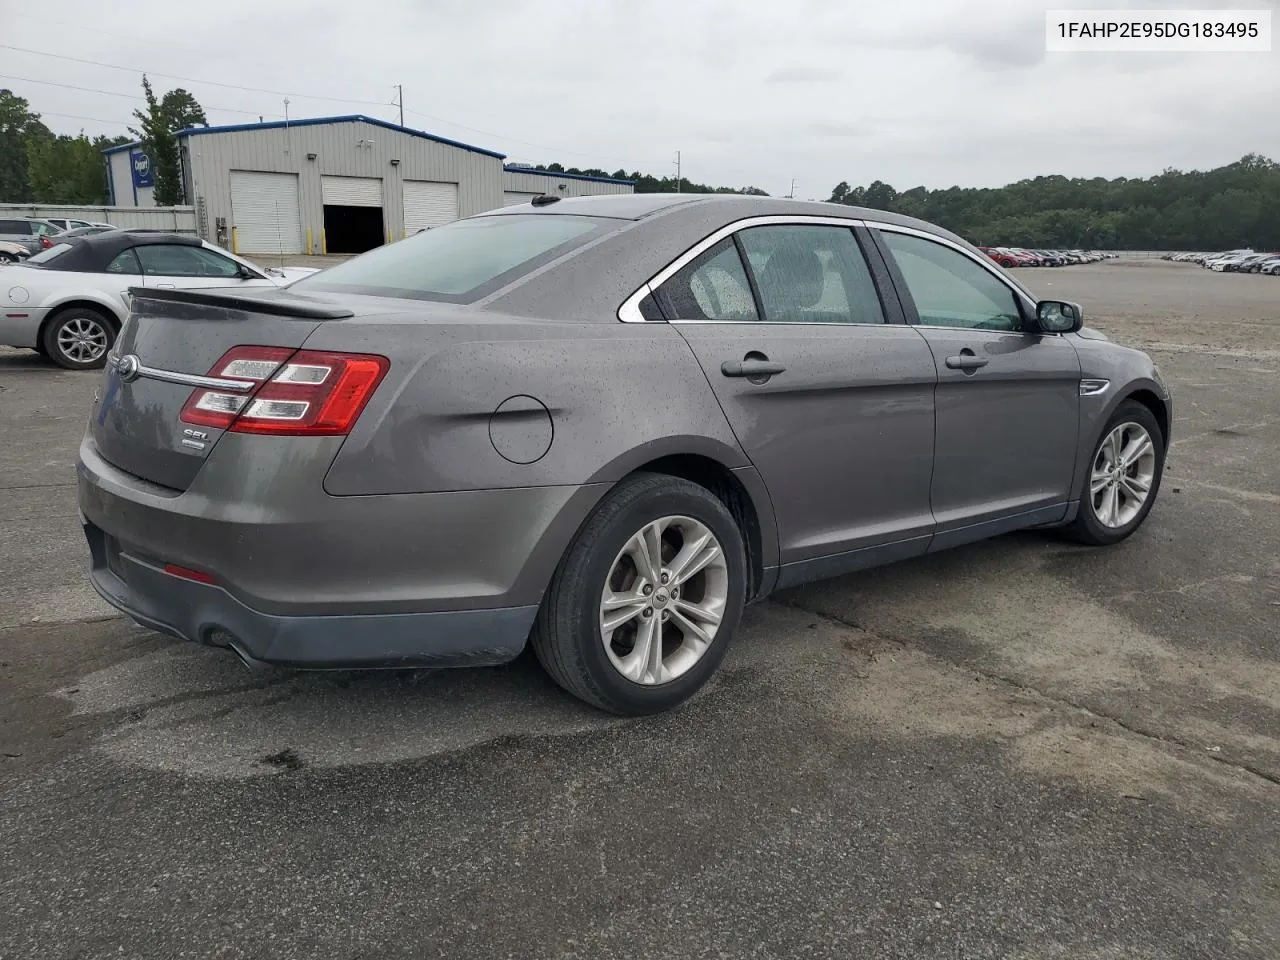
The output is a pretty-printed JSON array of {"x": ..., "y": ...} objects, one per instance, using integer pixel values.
[
  {"x": 136, "y": 370},
  {"x": 1094, "y": 388},
  {"x": 629, "y": 312}
]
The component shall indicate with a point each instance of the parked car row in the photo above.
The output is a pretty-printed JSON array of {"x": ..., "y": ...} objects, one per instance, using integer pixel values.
[
  {"x": 68, "y": 302},
  {"x": 1019, "y": 257},
  {"x": 20, "y": 237},
  {"x": 1232, "y": 261}
]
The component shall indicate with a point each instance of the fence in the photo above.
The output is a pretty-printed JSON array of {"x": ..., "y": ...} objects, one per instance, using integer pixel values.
[{"x": 177, "y": 219}]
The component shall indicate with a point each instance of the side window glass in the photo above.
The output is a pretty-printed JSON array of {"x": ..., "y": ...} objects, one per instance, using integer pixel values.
[
  {"x": 811, "y": 274},
  {"x": 174, "y": 260},
  {"x": 949, "y": 289},
  {"x": 125, "y": 262},
  {"x": 713, "y": 286}
]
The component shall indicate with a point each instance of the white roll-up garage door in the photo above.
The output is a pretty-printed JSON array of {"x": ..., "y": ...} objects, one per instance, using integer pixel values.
[
  {"x": 511, "y": 198},
  {"x": 351, "y": 191},
  {"x": 429, "y": 204},
  {"x": 264, "y": 212}
]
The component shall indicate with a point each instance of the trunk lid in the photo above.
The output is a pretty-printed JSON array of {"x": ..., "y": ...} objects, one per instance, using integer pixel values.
[{"x": 136, "y": 421}]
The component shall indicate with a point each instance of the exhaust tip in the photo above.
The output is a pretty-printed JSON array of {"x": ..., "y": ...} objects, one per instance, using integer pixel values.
[{"x": 221, "y": 638}]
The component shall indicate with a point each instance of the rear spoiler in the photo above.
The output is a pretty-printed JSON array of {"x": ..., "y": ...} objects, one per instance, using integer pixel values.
[{"x": 280, "y": 306}]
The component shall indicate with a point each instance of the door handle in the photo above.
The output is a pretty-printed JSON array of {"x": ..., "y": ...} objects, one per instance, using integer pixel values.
[
  {"x": 752, "y": 367},
  {"x": 165, "y": 286},
  {"x": 966, "y": 361}
]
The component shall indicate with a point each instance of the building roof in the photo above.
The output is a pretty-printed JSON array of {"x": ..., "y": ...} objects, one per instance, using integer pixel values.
[
  {"x": 123, "y": 146},
  {"x": 352, "y": 118},
  {"x": 516, "y": 168}
]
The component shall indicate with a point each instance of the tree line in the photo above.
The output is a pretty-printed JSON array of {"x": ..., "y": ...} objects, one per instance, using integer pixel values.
[
  {"x": 1237, "y": 205},
  {"x": 647, "y": 183},
  {"x": 39, "y": 166}
]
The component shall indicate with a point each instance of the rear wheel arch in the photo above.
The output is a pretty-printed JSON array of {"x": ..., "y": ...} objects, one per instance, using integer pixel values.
[
  {"x": 58, "y": 309},
  {"x": 729, "y": 489},
  {"x": 97, "y": 327}
]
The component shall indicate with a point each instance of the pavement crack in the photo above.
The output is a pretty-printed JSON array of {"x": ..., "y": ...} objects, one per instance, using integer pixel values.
[{"x": 1169, "y": 740}]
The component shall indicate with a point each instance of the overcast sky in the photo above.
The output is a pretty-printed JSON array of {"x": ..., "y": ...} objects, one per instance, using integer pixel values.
[{"x": 933, "y": 92}]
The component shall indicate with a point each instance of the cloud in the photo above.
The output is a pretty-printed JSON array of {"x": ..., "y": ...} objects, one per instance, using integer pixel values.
[
  {"x": 803, "y": 75},
  {"x": 933, "y": 92}
]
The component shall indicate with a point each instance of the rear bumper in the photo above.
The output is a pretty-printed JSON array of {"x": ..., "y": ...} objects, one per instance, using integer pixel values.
[
  {"x": 306, "y": 579},
  {"x": 208, "y": 614},
  {"x": 20, "y": 326}
]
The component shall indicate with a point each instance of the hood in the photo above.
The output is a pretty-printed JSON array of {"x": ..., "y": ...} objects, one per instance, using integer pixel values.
[{"x": 1089, "y": 333}]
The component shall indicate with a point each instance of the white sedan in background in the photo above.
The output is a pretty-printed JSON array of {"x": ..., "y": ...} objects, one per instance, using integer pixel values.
[{"x": 68, "y": 302}]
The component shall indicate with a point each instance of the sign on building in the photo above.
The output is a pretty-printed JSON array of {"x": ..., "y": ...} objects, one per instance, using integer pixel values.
[{"x": 141, "y": 163}]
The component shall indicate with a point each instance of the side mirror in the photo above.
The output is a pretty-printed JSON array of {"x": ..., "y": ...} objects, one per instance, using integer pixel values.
[{"x": 1059, "y": 316}]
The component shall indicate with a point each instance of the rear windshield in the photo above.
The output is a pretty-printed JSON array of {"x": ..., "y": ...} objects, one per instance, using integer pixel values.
[
  {"x": 461, "y": 261},
  {"x": 44, "y": 256}
]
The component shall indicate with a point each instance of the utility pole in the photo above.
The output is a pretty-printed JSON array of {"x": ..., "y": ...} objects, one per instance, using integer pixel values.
[
  {"x": 400, "y": 101},
  {"x": 677, "y": 171},
  {"x": 792, "y": 194}
]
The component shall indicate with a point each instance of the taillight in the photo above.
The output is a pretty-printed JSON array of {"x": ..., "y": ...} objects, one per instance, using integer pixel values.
[
  {"x": 46, "y": 242},
  {"x": 302, "y": 393}
]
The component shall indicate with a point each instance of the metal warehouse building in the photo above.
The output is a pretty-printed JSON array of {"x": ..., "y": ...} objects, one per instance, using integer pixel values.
[
  {"x": 336, "y": 184},
  {"x": 521, "y": 184}
]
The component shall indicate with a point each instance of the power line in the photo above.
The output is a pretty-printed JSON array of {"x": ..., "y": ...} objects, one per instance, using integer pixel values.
[
  {"x": 134, "y": 38},
  {"x": 112, "y": 93},
  {"x": 282, "y": 93},
  {"x": 174, "y": 76},
  {"x": 76, "y": 116}
]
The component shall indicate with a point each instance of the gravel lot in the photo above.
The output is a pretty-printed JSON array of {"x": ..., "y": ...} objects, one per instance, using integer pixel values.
[{"x": 1020, "y": 749}]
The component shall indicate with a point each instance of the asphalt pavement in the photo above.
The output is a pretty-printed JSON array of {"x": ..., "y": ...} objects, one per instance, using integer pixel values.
[{"x": 1020, "y": 749}]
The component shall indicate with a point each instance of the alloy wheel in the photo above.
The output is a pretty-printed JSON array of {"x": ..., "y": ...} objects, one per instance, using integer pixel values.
[
  {"x": 663, "y": 600},
  {"x": 82, "y": 339},
  {"x": 1123, "y": 471}
]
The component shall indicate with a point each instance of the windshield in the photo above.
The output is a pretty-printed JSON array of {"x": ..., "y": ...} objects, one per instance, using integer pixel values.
[
  {"x": 44, "y": 256},
  {"x": 460, "y": 261}
]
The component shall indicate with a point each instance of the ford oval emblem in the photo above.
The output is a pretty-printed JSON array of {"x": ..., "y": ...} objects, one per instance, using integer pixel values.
[{"x": 127, "y": 367}]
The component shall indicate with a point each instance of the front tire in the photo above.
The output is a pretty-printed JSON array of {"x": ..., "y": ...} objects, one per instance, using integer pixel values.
[
  {"x": 78, "y": 338},
  {"x": 1124, "y": 475},
  {"x": 641, "y": 609}
]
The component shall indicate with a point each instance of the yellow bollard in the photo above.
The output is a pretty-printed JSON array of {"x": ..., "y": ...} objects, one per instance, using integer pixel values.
[
  {"x": 324, "y": 243},
  {"x": 308, "y": 241},
  {"x": 235, "y": 243}
]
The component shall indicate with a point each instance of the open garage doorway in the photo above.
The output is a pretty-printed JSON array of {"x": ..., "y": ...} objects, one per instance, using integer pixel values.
[{"x": 352, "y": 214}]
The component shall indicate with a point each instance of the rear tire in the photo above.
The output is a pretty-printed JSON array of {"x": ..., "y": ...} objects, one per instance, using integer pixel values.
[
  {"x": 661, "y": 646},
  {"x": 1114, "y": 503},
  {"x": 79, "y": 338}
]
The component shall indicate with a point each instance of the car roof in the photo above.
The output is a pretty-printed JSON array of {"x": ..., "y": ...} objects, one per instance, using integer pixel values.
[
  {"x": 92, "y": 253},
  {"x": 649, "y": 231},
  {"x": 729, "y": 206}
]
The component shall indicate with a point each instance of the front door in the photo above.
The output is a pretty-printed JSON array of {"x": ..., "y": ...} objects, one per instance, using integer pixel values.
[
  {"x": 1007, "y": 400},
  {"x": 186, "y": 266},
  {"x": 833, "y": 405}
]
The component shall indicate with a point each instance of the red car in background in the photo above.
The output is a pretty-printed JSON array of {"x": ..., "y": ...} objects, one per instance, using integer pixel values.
[{"x": 1005, "y": 257}]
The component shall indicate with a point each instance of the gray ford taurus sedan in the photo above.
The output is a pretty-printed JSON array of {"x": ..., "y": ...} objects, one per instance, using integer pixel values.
[{"x": 600, "y": 425}]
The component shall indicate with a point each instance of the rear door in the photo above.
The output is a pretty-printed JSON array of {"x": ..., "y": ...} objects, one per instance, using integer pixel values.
[
  {"x": 830, "y": 397},
  {"x": 1007, "y": 399}
]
